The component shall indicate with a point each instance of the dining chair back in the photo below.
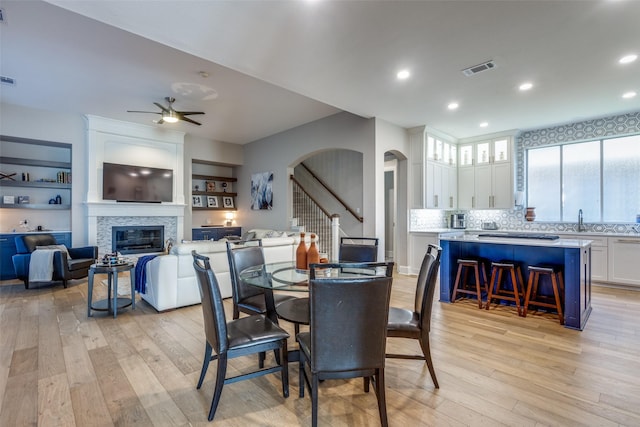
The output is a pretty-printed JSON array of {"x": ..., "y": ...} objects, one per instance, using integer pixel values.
[
  {"x": 239, "y": 337},
  {"x": 347, "y": 331},
  {"x": 416, "y": 323},
  {"x": 247, "y": 298},
  {"x": 358, "y": 249}
]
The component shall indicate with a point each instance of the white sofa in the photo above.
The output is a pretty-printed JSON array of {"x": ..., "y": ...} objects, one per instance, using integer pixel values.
[{"x": 171, "y": 280}]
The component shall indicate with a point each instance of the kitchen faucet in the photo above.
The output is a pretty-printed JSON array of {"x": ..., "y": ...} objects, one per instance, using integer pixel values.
[{"x": 580, "y": 221}]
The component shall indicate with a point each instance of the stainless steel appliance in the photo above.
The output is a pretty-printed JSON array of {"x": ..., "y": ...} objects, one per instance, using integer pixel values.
[{"x": 458, "y": 221}]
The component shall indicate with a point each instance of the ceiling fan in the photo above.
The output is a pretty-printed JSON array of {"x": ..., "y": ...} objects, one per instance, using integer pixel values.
[{"x": 169, "y": 115}]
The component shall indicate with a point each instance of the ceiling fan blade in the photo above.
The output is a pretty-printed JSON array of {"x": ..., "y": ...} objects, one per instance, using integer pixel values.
[
  {"x": 136, "y": 111},
  {"x": 162, "y": 107},
  {"x": 187, "y": 119},
  {"x": 187, "y": 113}
]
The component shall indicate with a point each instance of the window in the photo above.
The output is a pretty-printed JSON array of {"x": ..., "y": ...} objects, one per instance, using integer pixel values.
[{"x": 600, "y": 177}]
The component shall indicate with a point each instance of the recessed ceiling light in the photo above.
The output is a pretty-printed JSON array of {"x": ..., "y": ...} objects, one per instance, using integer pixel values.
[
  {"x": 403, "y": 74},
  {"x": 628, "y": 59},
  {"x": 484, "y": 124},
  {"x": 453, "y": 106},
  {"x": 628, "y": 95},
  {"x": 525, "y": 86}
]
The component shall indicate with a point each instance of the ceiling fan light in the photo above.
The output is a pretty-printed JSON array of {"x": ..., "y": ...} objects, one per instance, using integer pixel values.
[{"x": 170, "y": 117}]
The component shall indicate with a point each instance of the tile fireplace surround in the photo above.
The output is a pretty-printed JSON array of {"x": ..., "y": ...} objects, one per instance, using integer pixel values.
[
  {"x": 106, "y": 223},
  {"x": 114, "y": 141}
]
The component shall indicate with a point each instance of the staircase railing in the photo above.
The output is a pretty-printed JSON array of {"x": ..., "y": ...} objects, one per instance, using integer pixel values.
[
  {"x": 335, "y": 196},
  {"x": 313, "y": 217}
]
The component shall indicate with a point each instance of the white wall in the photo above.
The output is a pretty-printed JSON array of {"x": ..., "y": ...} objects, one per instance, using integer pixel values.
[{"x": 281, "y": 152}]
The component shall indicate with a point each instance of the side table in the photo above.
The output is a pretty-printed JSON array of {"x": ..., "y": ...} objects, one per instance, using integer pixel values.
[{"x": 112, "y": 303}]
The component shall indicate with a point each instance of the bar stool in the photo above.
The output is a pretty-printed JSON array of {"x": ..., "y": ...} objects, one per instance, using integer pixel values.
[
  {"x": 533, "y": 298},
  {"x": 514, "y": 272},
  {"x": 470, "y": 288}
]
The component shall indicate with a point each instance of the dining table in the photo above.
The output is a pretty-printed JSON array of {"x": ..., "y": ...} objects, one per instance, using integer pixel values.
[{"x": 285, "y": 277}]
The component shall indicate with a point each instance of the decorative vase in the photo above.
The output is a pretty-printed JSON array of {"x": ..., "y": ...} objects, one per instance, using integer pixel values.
[
  {"x": 301, "y": 254},
  {"x": 530, "y": 215},
  {"x": 313, "y": 256}
]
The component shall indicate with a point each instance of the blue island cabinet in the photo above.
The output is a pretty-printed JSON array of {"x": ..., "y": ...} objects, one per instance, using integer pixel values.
[
  {"x": 573, "y": 255},
  {"x": 8, "y": 250}
]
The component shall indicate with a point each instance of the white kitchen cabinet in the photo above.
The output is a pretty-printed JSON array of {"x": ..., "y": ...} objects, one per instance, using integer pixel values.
[
  {"x": 440, "y": 186},
  {"x": 483, "y": 187},
  {"x": 466, "y": 155},
  {"x": 502, "y": 186},
  {"x": 433, "y": 170},
  {"x": 599, "y": 255},
  {"x": 485, "y": 181},
  {"x": 452, "y": 177},
  {"x": 466, "y": 188},
  {"x": 624, "y": 255},
  {"x": 599, "y": 263}
]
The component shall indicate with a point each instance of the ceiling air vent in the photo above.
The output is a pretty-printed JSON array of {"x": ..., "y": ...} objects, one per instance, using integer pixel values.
[
  {"x": 7, "y": 80},
  {"x": 479, "y": 68}
]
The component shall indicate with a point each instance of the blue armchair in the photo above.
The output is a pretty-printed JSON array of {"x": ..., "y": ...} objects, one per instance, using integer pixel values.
[{"x": 75, "y": 266}]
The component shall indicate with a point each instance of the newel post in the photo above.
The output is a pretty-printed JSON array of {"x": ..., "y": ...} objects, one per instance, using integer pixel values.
[{"x": 335, "y": 237}]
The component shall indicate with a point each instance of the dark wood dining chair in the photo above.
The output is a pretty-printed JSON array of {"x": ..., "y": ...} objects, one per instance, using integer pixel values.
[
  {"x": 238, "y": 337},
  {"x": 247, "y": 298},
  {"x": 415, "y": 324},
  {"x": 347, "y": 332},
  {"x": 358, "y": 249}
]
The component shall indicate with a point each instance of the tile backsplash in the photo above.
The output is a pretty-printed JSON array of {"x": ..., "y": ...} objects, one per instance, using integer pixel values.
[{"x": 511, "y": 219}]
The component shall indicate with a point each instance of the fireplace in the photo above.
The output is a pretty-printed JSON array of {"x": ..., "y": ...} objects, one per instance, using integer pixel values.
[{"x": 137, "y": 239}]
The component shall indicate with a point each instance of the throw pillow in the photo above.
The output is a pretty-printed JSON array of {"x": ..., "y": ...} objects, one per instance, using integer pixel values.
[{"x": 248, "y": 235}]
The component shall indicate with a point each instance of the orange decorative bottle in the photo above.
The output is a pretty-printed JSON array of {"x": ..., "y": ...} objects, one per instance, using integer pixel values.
[
  {"x": 313, "y": 256},
  {"x": 301, "y": 254}
]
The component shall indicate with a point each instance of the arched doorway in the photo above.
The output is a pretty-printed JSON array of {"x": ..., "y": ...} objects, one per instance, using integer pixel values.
[{"x": 395, "y": 202}]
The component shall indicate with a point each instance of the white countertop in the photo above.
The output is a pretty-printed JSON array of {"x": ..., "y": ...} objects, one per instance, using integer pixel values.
[
  {"x": 558, "y": 243},
  {"x": 575, "y": 234}
]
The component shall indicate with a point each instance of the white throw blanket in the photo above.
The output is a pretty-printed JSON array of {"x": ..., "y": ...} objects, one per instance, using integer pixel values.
[{"x": 41, "y": 265}]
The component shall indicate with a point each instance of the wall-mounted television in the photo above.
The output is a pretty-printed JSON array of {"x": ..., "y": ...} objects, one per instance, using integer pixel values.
[{"x": 126, "y": 183}]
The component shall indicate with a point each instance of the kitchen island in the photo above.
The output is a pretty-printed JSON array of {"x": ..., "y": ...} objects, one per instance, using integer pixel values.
[{"x": 573, "y": 255}]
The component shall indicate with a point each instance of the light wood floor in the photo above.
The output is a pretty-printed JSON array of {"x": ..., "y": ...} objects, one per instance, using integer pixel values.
[{"x": 60, "y": 368}]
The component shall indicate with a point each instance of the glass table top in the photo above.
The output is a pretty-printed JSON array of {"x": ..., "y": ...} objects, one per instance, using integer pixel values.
[{"x": 286, "y": 277}]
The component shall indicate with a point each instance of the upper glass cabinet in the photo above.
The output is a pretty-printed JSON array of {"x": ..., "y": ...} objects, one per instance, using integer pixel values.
[
  {"x": 441, "y": 151},
  {"x": 501, "y": 150},
  {"x": 483, "y": 154},
  {"x": 466, "y": 155}
]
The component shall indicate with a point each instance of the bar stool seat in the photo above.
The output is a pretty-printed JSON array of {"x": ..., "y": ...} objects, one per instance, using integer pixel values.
[
  {"x": 496, "y": 289},
  {"x": 533, "y": 298},
  {"x": 464, "y": 286}
]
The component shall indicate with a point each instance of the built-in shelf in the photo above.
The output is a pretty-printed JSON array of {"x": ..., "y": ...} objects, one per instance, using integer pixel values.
[
  {"x": 213, "y": 178},
  {"x": 35, "y": 184},
  {"x": 32, "y": 155},
  {"x": 42, "y": 206},
  {"x": 205, "y": 181},
  {"x": 204, "y": 193},
  {"x": 33, "y": 162}
]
